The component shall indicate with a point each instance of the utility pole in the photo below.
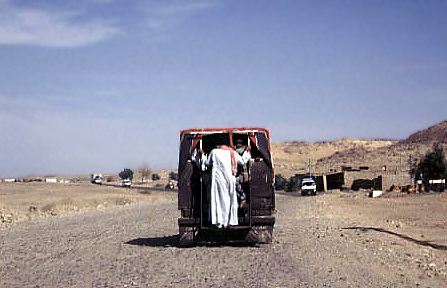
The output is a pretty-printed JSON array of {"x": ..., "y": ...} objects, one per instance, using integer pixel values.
[
  {"x": 411, "y": 170},
  {"x": 310, "y": 169}
]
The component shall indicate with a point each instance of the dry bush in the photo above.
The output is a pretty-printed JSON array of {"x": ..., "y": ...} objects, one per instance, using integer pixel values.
[
  {"x": 145, "y": 191},
  {"x": 67, "y": 202},
  {"x": 123, "y": 201},
  {"x": 48, "y": 208}
]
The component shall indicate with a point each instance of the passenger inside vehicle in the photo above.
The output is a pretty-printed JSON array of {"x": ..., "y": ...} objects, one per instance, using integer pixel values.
[
  {"x": 242, "y": 173},
  {"x": 223, "y": 162}
]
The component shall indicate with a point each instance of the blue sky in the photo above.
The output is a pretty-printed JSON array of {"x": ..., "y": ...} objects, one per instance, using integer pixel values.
[{"x": 99, "y": 85}]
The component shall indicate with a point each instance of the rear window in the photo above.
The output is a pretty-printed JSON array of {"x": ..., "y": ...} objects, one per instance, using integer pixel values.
[{"x": 308, "y": 184}]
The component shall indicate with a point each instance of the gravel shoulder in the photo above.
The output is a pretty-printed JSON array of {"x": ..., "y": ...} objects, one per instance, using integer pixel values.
[{"x": 331, "y": 240}]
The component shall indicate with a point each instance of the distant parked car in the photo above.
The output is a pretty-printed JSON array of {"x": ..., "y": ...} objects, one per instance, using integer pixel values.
[
  {"x": 169, "y": 186},
  {"x": 126, "y": 183},
  {"x": 308, "y": 187},
  {"x": 96, "y": 179}
]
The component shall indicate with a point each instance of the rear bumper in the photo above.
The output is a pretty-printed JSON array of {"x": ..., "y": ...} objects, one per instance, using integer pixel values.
[
  {"x": 256, "y": 221},
  {"x": 308, "y": 191}
]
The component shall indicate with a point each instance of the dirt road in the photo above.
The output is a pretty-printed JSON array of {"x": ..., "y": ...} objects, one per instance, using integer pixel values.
[{"x": 330, "y": 240}]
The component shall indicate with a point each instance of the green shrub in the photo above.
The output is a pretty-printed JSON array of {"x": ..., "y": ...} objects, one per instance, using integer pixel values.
[
  {"x": 432, "y": 166},
  {"x": 126, "y": 174},
  {"x": 173, "y": 175},
  {"x": 280, "y": 182},
  {"x": 293, "y": 184}
]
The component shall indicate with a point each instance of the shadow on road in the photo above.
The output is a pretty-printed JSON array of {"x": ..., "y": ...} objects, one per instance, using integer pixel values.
[
  {"x": 173, "y": 241},
  {"x": 297, "y": 194},
  {"x": 166, "y": 241},
  {"x": 408, "y": 238},
  {"x": 137, "y": 187}
]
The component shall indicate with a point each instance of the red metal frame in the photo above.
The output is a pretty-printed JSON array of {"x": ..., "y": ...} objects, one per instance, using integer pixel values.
[{"x": 208, "y": 130}]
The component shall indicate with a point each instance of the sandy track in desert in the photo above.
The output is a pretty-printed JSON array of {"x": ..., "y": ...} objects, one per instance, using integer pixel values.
[{"x": 331, "y": 240}]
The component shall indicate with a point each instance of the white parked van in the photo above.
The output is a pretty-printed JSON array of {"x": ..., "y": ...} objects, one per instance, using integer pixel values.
[
  {"x": 126, "y": 183},
  {"x": 97, "y": 179},
  {"x": 308, "y": 187}
]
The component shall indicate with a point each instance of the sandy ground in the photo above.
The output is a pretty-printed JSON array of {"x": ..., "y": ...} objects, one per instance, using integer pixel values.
[
  {"x": 25, "y": 201},
  {"x": 338, "y": 239}
]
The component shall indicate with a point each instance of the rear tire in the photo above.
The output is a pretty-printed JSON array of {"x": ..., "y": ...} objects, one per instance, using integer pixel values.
[
  {"x": 260, "y": 234},
  {"x": 186, "y": 236}
]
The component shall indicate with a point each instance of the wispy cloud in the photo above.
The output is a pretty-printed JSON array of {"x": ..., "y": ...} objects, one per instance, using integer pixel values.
[
  {"x": 177, "y": 8},
  {"x": 169, "y": 14},
  {"x": 21, "y": 25}
]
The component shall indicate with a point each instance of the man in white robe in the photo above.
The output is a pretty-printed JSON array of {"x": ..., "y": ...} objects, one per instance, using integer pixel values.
[{"x": 224, "y": 204}]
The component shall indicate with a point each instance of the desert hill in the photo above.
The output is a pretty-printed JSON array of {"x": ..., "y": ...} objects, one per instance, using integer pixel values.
[
  {"x": 293, "y": 157},
  {"x": 436, "y": 133},
  {"x": 325, "y": 157}
]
